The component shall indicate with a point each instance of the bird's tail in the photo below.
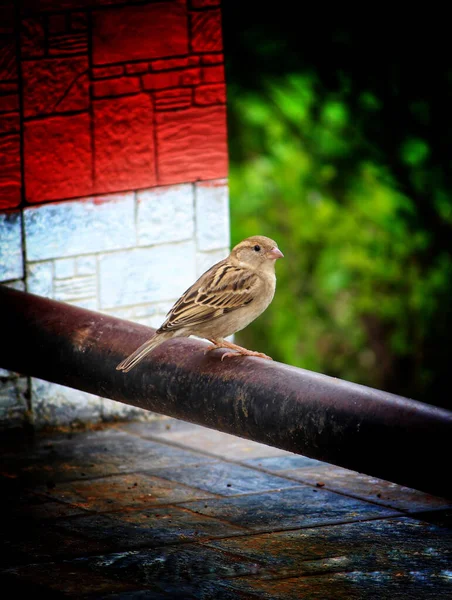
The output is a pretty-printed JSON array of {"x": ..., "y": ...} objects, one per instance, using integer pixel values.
[{"x": 131, "y": 361}]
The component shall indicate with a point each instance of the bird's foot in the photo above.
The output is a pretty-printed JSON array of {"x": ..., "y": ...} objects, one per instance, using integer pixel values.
[
  {"x": 246, "y": 353},
  {"x": 210, "y": 348},
  {"x": 238, "y": 350}
]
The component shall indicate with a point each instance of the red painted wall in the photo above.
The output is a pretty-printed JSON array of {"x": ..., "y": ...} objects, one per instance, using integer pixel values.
[{"x": 101, "y": 96}]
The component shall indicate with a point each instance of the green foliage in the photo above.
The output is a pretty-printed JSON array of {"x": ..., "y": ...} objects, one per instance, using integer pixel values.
[{"x": 362, "y": 283}]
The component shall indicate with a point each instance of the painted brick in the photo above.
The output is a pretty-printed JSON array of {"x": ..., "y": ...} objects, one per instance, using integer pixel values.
[
  {"x": 64, "y": 268},
  {"x": 146, "y": 274},
  {"x": 192, "y": 144},
  {"x": 57, "y": 23},
  {"x": 55, "y": 404},
  {"x": 9, "y": 87},
  {"x": 165, "y": 214},
  {"x": 10, "y": 175},
  {"x": 39, "y": 279},
  {"x": 214, "y": 93},
  {"x": 55, "y": 85},
  {"x": 204, "y": 3},
  {"x": 8, "y": 65},
  {"x": 124, "y": 143},
  {"x": 9, "y": 123},
  {"x": 16, "y": 284},
  {"x": 106, "y": 88},
  {"x": 174, "y": 63},
  {"x": 213, "y": 74},
  {"x": 79, "y": 21},
  {"x": 206, "y": 31},
  {"x": 212, "y": 215},
  {"x": 75, "y": 288},
  {"x": 175, "y": 98},
  {"x": 88, "y": 303},
  {"x": 58, "y": 5},
  {"x": 65, "y": 229},
  {"x": 205, "y": 260},
  {"x": 7, "y": 24},
  {"x": 68, "y": 43},
  {"x": 11, "y": 261},
  {"x": 171, "y": 79},
  {"x": 212, "y": 59},
  {"x": 112, "y": 410},
  {"x": 13, "y": 403},
  {"x": 137, "y": 68},
  {"x": 9, "y": 103},
  {"x": 60, "y": 168},
  {"x": 104, "y": 72},
  {"x": 86, "y": 265},
  {"x": 149, "y": 314},
  {"x": 32, "y": 38},
  {"x": 139, "y": 32}
]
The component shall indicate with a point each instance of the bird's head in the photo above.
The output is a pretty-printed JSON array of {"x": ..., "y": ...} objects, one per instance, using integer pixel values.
[{"x": 257, "y": 252}]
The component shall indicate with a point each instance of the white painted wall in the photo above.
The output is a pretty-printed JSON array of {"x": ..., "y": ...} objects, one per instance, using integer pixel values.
[{"x": 126, "y": 254}]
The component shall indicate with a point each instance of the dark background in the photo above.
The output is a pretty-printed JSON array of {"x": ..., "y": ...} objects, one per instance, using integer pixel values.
[{"x": 340, "y": 149}]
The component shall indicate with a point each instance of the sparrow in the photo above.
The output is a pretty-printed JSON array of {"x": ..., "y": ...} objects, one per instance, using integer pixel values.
[{"x": 224, "y": 300}]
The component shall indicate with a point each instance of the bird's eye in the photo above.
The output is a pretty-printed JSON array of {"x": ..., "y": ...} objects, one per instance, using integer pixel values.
[{"x": 257, "y": 248}]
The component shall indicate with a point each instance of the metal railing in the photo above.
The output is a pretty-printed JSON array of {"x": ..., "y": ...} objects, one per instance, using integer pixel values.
[{"x": 350, "y": 425}]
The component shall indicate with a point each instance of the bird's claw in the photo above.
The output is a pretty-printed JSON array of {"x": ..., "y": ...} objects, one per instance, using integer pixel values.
[
  {"x": 209, "y": 349},
  {"x": 249, "y": 353}
]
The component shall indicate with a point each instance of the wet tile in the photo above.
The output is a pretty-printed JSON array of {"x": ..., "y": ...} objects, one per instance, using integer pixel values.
[
  {"x": 366, "y": 487},
  {"x": 257, "y": 539},
  {"x": 356, "y": 585},
  {"x": 146, "y": 528},
  {"x": 289, "y": 508},
  {"x": 123, "y": 491},
  {"x": 145, "y": 594},
  {"x": 91, "y": 454},
  {"x": 285, "y": 462},
  {"x": 379, "y": 559},
  {"x": 18, "y": 502},
  {"x": 61, "y": 580},
  {"x": 201, "y": 590},
  {"x": 169, "y": 566},
  {"x": 183, "y": 571},
  {"x": 225, "y": 478},
  {"x": 26, "y": 541},
  {"x": 203, "y": 439},
  {"x": 381, "y": 544}
]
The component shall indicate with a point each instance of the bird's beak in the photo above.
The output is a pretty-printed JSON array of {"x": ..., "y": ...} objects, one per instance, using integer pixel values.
[{"x": 275, "y": 253}]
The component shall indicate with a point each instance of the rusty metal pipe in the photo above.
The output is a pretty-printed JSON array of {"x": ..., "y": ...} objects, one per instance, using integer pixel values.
[{"x": 336, "y": 421}]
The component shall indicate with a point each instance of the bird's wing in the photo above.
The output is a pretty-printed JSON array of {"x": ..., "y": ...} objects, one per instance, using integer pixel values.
[{"x": 220, "y": 290}]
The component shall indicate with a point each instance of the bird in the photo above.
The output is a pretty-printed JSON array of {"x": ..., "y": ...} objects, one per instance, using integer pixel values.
[{"x": 225, "y": 299}]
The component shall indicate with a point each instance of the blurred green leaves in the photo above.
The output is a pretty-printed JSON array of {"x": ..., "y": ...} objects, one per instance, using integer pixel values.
[{"x": 362, "y": 282}]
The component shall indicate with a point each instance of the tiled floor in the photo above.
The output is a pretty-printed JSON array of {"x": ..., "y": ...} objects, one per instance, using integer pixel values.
[{"x": 172, "y": 510}]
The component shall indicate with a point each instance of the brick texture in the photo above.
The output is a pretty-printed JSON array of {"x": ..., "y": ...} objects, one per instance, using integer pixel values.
[
  {"x": 124, "y": 143},
  {"x": 139, "y": 32},
  {"x": 55, "y": 85},
  {"x": 191, "y": 144},
  {"x": 112, "y": 114},
  {"x": 58, "y": 158},
  {"x": 146, "y": 108},
  {"x": 10, "y": 180},
  {"x": 206, "y": 31}
]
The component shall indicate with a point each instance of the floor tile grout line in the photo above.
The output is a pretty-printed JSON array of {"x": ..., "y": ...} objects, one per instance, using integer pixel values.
[
  {"x": 297, "y": 482},
  {"x": 196, "y": 542},
  {"x": 214, "y": 495},
  {"x": 268, "y": 472},
  {"x": 203, "y": 453}
]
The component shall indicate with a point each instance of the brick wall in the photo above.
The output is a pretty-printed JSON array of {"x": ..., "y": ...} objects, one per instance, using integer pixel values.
[{"x": 113, "y": 166}]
